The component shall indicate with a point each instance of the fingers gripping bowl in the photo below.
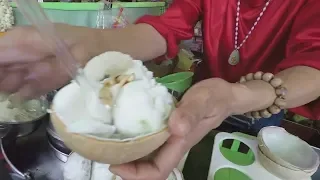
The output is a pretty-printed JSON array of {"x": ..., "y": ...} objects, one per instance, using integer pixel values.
[{"x": 128, "y": 122}]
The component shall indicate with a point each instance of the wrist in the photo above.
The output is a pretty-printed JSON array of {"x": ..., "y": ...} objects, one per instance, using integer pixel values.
[
  {"x": 85, "y": 43},
  {"x": 253, "y": 95},
  {"x": 240, "y": 93}
]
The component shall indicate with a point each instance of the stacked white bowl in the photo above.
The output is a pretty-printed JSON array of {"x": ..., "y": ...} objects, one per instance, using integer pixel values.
[{"x": 285, "y": 155}]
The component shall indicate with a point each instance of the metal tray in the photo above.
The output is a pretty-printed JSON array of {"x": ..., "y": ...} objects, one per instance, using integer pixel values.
[{"x": 33, "y": 157}]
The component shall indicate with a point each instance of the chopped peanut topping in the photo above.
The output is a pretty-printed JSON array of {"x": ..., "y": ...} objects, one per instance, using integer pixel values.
[{"x": 105, "y": 94}]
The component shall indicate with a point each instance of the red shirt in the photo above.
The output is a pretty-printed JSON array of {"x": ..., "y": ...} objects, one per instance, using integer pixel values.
[{"x": 287, "y": 35}]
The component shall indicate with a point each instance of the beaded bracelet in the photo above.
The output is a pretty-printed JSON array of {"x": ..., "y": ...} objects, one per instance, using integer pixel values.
[{"x": 276, "y": 83}]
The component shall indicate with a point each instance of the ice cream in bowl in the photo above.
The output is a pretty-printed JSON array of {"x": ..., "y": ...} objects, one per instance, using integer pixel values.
[{"x": 125, "y": 121}]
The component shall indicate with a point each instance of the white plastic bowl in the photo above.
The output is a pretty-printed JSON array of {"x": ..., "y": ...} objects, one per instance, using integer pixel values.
[
  {"x": 281, "y": 171},
  {"x": 287, "y": 150}
]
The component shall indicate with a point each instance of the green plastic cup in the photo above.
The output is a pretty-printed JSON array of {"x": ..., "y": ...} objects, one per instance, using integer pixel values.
[{"x": 179, "y": 82}]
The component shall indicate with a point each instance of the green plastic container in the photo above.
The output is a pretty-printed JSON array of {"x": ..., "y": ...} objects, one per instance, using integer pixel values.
[
  {"x": 179, "y": 82},
  {"x": 239, "y": 158},
  {"x": 230, "y": 174},
  {"x": 85, "y": 14}
]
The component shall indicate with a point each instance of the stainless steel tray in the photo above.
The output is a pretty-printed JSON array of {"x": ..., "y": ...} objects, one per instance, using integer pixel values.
[{"x": 32, "y": 156}]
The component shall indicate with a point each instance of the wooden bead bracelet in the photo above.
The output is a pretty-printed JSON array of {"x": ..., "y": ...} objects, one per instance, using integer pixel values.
[{"x": 276, "y": 83}]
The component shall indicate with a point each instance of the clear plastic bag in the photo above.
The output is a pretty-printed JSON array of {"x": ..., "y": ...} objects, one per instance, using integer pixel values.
[
  {"x": 109, "y": 17},
  {"x": 121, "y": 20},
  {"x": 104, "y": 16}
]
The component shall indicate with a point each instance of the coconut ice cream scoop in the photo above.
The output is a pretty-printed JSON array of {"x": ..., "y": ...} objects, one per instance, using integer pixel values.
[
  {"x": 101, "y": 66},
  {"x": 146, "y": 106},
  {"x": 135, "y": 123}
]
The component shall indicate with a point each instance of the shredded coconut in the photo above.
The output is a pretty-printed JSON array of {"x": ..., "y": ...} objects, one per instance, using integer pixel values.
[
  {"x": 6, "y": 16},
  {"x": 27, "y": 112}
]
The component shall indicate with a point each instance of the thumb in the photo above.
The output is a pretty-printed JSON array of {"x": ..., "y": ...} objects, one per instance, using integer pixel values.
[{"x": 182, "y": 120}]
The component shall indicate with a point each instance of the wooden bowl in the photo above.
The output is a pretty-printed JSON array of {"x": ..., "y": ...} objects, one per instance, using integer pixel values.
[{"x": 109, "y": 151}]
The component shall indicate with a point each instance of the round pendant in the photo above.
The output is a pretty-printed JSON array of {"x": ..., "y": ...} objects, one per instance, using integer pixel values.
[{"x": 234, "y": 58}]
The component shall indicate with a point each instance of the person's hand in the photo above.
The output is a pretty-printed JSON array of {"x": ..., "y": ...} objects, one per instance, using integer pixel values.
[
  {"x": 27, "y": 65},
  {"x": 202, "y": 109}
]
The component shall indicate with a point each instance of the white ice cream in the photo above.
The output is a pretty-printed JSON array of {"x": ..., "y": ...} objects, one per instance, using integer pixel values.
[
  {"x": 96, "y": 109},
  {"x": 140, "y": 107},
  {"x": 71, "y": 106},
  {"x": 107, "y": 63},
  {"x": 96, "y": 70}
]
